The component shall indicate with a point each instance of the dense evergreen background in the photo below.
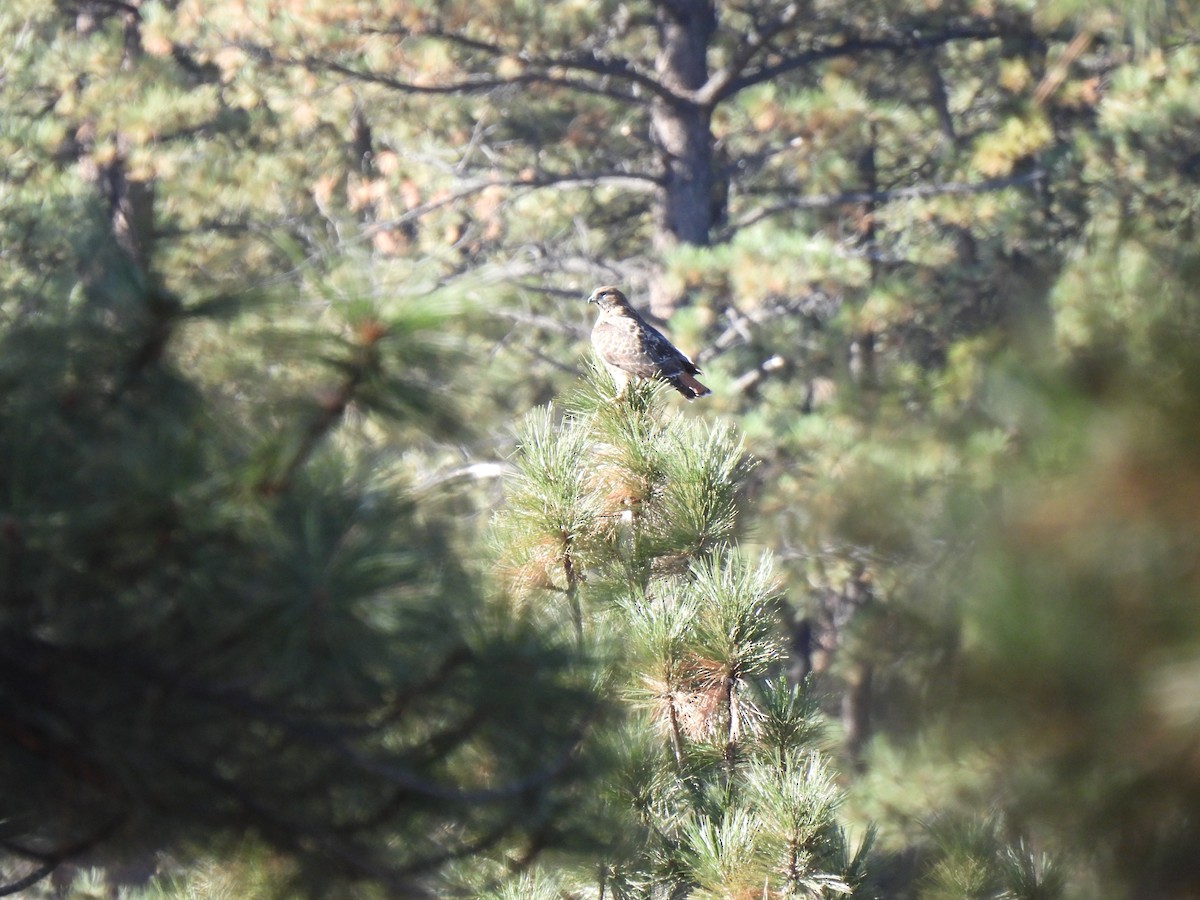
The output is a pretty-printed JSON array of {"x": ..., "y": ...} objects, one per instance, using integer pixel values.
[{"x": 328, "y": 566}]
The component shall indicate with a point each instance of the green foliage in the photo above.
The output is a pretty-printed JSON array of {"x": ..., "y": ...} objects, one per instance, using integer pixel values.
[
  {"x": 972, "y": 859},
  {"x": 262, "y": 262},
  {"x": 1075, "y": 609},
  {"x": 720, "y": 786},
  {"x": 1089, "y": 580},
  {"x": 205, "y": 648}
]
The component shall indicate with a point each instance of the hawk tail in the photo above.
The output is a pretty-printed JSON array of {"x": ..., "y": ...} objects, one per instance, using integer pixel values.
[{"x": 688, "y": 386}]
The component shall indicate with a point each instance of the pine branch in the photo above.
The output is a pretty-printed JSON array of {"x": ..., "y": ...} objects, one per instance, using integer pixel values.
[
  {"x": 541, "y": 65},
  {"x": 675, "y": 734},
  {"x": 470, "y": 84},
  {"x": 15, "y": 887},
  {"x": 51, "y": 861},
  {"x": 571, "y": 576},
  {"x": 332, "y": 406},
  {"x": 720, "y": 80},
  {"x": 608, "y": 67},
  {"x": 915, "y": 40},
  {"x": 299, "y": 725}
]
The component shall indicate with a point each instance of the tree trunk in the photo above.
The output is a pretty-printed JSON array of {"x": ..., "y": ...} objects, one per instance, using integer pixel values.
[
  {"x": 863, "y": 366},
  {"x": 857, "y": 594},
  {"x": 856, "y": 712},
  {"x": 131, "y": 209},
  {"x": 682, "y": 129}
]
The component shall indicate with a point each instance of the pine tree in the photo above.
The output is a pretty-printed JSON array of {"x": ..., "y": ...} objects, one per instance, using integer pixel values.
[
  {"x": 620, "y": 525},
  {"x": 226, "y": 618},
  {"x": 1080, "y": 626},
  {"x": 856, "y": 232}
]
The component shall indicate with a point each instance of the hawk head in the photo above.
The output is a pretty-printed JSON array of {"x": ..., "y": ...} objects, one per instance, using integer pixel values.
[{"x": 609, "y": 299}]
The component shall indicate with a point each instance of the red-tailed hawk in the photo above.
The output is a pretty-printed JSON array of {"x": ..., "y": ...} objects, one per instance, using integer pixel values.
[{"x": 632, "y": 348}]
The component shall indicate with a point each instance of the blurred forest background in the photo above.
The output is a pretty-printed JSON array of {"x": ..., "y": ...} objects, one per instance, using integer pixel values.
[{"x": 329, "y": 567}]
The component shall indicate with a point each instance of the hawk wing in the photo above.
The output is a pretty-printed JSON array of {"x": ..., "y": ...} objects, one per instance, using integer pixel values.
[{"x": 630, "y": 345}]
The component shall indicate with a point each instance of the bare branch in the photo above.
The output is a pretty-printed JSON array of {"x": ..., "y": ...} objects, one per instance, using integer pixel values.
[
  {"x": 940, "y": 97},
  {"x": 479, "y": 471},
  {"x": 720, "y": 80},
  {"x": 915, "y": 40},
  {"x": 51, "y": 861},
  {"x": 29, "y": 880},
  {"x": 584, "y": 61},
  {"x": 436, "y": 32},
  {"x": 552, "y": 324},
  {"x": 751, "y": 378},
  {"x": 608, "y": 67},
  {"x": 1058, "y": 72},
  {"x": 638, "y": 181},
  {"x": 627, "y": 180},
  {"x": 822, "y": 201},
  {"x": 117, "y": 6},
  {"x": 542, "y": 74}
]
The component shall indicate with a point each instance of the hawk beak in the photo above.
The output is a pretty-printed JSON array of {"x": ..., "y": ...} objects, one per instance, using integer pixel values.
[{"x": 592, "y": 297}]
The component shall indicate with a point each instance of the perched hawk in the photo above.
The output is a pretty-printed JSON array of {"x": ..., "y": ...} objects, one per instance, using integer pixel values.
[{"x": 632, "y": 348}]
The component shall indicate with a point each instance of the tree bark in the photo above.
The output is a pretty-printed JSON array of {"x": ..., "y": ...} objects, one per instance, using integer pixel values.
[
  {"x": 682, "y": 129},
  {"x": 131, "y": 209},
  {"x": 857, "y": 594},
  {"x": 856, "y": 712}
]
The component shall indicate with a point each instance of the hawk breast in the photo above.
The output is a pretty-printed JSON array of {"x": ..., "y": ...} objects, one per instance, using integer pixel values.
[{"x": 631, "y": 346}]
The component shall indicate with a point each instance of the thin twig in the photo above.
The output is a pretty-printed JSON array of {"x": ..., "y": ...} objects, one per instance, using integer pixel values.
[{"x": 822, "y": 201}]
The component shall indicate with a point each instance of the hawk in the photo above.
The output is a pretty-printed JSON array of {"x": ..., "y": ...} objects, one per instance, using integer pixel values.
[{"x": 632, "y": 348}]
